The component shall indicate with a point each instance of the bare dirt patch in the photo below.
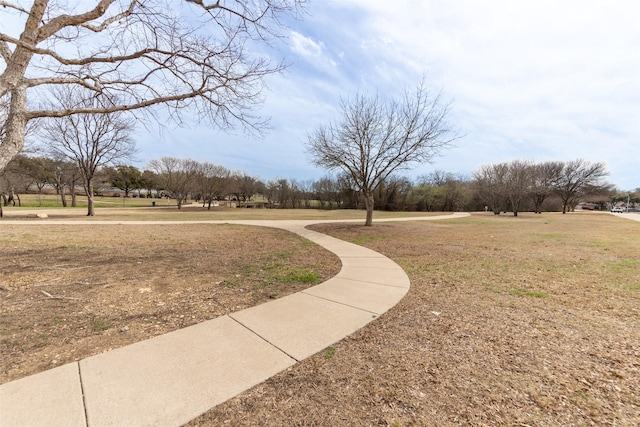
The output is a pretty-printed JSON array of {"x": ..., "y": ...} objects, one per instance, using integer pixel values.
[
  {"x": 509, "y": 321},
  {"x": 69, "y": 292}
]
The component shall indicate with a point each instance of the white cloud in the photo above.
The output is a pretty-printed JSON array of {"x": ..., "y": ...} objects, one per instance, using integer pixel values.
[
  {"x": 539, "y": 79},
  {"x": 305, "y": 46}
]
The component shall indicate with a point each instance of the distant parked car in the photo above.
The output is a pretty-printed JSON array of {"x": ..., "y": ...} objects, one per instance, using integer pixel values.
[
  {"x": 633, "y": 210},
  {"x": 617, "y": 209}
]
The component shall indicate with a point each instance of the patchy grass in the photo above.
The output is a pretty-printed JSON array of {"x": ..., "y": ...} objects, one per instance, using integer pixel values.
[
  {"x": 507, "y": 322},
  {"x": 69, "y": 292}
]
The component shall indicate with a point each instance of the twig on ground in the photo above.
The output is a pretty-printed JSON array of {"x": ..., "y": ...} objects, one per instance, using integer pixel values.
[
  {"x": 48, "y": 295},
  {"x": 61, "y": 267}
]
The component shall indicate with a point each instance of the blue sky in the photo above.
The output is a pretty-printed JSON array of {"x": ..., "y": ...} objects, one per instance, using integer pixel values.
[{"x": 529, "y": 79}]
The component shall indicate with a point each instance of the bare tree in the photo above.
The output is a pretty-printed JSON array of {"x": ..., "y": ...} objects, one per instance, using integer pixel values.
[
  {"x": 90, "y": 140},
  {"x": 376, "y": 137},
  {"x": 176, "y": 176},
  {"x": 543, "y": 177},
  {"x": 326, "y": 191},
  {"x": 490, "y": 185},
  {"x": 577, "y": 179},
  {"x": 518, "y": 183},
  {"x": 180, "y": 55},
  {"x": 211, "y": 181},
  {"x": 64, "y": 172},
  {"x": 393, "y": 193}
]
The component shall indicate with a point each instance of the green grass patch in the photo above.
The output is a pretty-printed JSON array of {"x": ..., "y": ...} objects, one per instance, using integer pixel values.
[
  {"x": 330, "y": 352},
  {"x": 101, "y": 324},
  {"x": 302, "y": 276},
  {"x": 524, "y": 293},
  {"x": 624, "y": 265},
  {"x": 363, "y": 240}
]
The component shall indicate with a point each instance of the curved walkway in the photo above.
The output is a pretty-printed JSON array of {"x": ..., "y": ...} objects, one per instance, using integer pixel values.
[{"x": 170, "y": 379}]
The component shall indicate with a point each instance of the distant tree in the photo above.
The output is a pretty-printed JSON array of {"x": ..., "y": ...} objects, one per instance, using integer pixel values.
[
  {"x": 543, "y": 177},
  {"x": 296, "y": 193},
  {"x": 393, "y": 193},
  {"x": 628, "y": 199},
  {"x": 126, "y": 178},
  {"x": 283, "y": 191},
  {"x": 490, "y": 183},
  {"x": 305, "y": 192},
  {"x": 211, "y": 181},
  {"x": 425, "y": 196},
  {"x": 440, "y": 191},
  {"x": 90, "y": 140},
  {"x": 376, "y": 137},
  {"x": 349, "y": 194},
  {"x": 191, "y": 57},
  {"x": 176, "y": 176},
  {"x": 13, "y": 178},
  {"x": 577, "y": 179},
  {"x": 66, "y": 175},
  {"x": 271, "y": 193},
  {"x": 326, "y": 191},
  {"x": 518, "y": 183},
  {"x": 41, "y": 172},
  {"x": 150, "y": 182},
  {"x": 247, "y": 186}
]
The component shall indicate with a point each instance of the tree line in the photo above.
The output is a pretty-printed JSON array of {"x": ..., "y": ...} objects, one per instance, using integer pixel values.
[
  {"x": 514, "y": 186},
  {"x": 134, "y": 60}
]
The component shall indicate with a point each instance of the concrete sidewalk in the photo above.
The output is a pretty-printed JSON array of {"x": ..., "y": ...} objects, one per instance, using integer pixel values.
[
  {"x": 171, "y": 379},
  {"x": 628, "y": 215}
]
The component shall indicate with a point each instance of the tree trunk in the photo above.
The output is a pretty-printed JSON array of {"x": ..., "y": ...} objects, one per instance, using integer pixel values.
[
  {"x": 368, "y": 203},
  {"x": 90, "y": 208},
  {"x": 15, "y": 126},
  {"x": 63, "y": 197}
]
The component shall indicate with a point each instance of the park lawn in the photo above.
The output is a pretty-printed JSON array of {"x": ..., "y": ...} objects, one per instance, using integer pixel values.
[
  {"x": 71, "y": 291},
  {"x": 530, "y": 321}
]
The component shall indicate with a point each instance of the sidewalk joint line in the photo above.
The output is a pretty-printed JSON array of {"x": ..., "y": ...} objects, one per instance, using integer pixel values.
[
  {"x": 369, "y": 282},
  {"x": 375, "y": 314},
  {"x": 262, "y": 338},
  {"x": 84, "y": 396}
]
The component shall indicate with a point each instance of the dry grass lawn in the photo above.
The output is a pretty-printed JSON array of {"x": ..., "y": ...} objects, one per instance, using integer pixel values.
[
  {"x": 529, "y": 321},
  {"x": 69, "y": 292}
]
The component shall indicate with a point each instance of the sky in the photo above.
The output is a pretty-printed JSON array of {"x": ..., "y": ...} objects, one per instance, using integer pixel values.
[{"x": 529, "y": 79}]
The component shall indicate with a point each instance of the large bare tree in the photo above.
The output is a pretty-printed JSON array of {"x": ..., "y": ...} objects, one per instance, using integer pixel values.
[
  {"x": 190, "y": 54},
  {"x": 578, "y": 178},
  {"x": 376, "y": 137},
  {"x": 91, "y": 141}
]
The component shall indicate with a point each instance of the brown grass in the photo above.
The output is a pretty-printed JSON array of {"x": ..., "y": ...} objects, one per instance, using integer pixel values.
[
  {"x": 509, "y": 321},
  {"x": 69, "y": 292},
  {"x": 530, "y": 321}
]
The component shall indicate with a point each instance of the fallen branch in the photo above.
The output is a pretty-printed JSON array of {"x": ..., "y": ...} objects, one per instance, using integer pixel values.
[
  {"x": 61, "y": 267},
  {"x": 48, "y": 295}
]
